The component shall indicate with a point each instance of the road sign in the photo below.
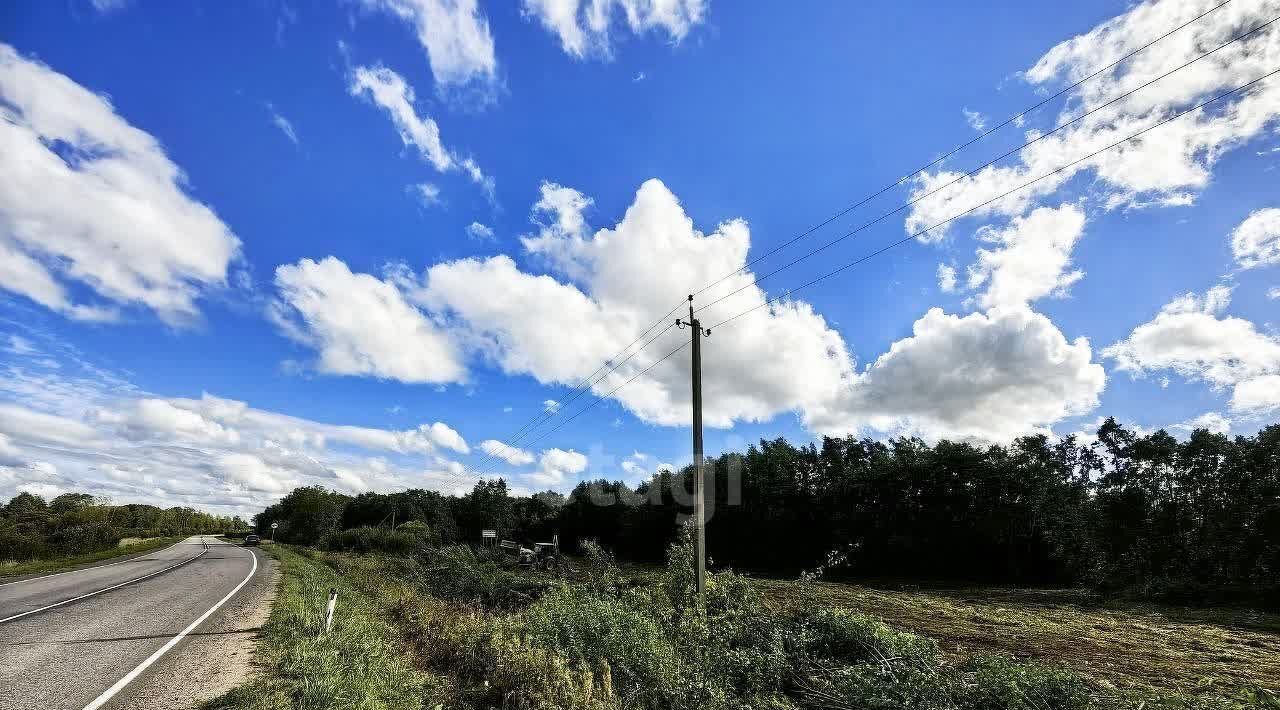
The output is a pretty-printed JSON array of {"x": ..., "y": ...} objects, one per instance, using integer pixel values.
[
  {"x": 275, "y": 525},
  {"x": 488, "y": 533}
]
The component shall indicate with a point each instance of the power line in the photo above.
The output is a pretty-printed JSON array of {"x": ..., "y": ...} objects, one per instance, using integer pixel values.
[
  {"x": 612, "y": 366},
  {"x": 1025, "y": 185},
  {"x": 1008, "y": 121},
  {"x": 971, "y": 173},
  {"x": 603, "y": 397},
  {"x": 583, "y": 385}
]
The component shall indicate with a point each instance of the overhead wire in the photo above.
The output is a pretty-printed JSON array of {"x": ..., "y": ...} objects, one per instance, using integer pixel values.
[
  {"x": 984, "y": 166},
  {"x": 605, "y": 396},
  {"x": 578, "y": 391},
  {"x": 612, "y": 364},
  {"x": 1002, "y": 196},
  {"x": 1015, "y": 118}
]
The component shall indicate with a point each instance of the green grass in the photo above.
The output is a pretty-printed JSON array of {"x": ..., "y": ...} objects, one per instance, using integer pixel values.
[
  {"x": 9, "y": 570},
  {"x": 359, "y": 665}
]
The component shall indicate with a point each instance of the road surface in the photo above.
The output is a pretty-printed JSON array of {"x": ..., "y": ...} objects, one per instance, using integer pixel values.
[{"x": 100, "y": 637}]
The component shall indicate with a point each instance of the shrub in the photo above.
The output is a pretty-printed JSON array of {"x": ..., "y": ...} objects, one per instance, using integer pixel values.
[
  {"x": 1001, "y": 683},
  {"x": 17, "y": 546},
  {"x": 527, "y": 677},
  {"x": 599, "y": 570},
  {"x": 86, "y": 537},
  {"x": 596, "y": 629},
  {"x": 848, "y": 637},
  {"x": 426, "y": 535},
  {"x": 892, "y": 685},
  {"x": 371, "y": 540},
  {"x": 464, "y": 574}
]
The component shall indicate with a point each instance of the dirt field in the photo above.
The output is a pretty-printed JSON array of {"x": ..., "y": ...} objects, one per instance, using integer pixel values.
[{"x": 1192, "y": 651}]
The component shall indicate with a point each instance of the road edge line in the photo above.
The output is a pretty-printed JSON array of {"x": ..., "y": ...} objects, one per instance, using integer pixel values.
[
  {"x": 133, "y": 674},
  {"x": 100, "y": 591}
]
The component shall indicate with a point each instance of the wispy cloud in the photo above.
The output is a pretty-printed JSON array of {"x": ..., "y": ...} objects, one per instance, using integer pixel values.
[
  {"x": 479, "y": 232},
  {"x": 284, "y": 124},
  {"x": 427, "y": 194}
]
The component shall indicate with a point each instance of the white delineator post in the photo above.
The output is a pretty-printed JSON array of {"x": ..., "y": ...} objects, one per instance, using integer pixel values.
[{"x": 328, "y": 613}]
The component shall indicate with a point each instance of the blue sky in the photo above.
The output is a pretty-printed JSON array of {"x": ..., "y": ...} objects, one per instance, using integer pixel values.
[{"x": 255, "y": 245}]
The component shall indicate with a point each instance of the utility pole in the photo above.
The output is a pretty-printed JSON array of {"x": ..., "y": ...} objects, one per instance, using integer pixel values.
[{"x": 699, "y": 509}]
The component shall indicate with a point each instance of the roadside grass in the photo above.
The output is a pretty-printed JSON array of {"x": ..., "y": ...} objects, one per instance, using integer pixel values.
[
  {"x": 457, "y": 628},
  {"x": 10, "y": 569},
  {"x": 361, "y": 664},
  {"x": 1198, "y": 653}
]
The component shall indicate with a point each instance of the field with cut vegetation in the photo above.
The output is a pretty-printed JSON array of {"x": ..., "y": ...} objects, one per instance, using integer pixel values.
[
  {"x": 456, "y": 627},
  {"x": 1194, "y": 651}
]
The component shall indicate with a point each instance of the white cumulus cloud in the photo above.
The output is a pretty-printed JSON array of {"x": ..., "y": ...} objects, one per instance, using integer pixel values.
[
  {"x": 1192, "y": 338},
  {"x": 555, "y": 466},
  {"x": 606, "y": 286},
  {"x": 985, "y": 375},
  {"x": 1214, "y": 422},
  {"x": 1255, "y": 242},
  {"x": 1258, "y": 396},
  {"x": 88, "y": 199},
  {"x": 361, "y": 325},
  {"x": 511, "y": 454},
  {"x": 616, "y": 282},
  {"x": 1031, "y": 258},
  {"x": 1169, "y": 164}
]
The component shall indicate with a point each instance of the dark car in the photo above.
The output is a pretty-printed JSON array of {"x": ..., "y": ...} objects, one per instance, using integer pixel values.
[{"x": 251, "y": 540}]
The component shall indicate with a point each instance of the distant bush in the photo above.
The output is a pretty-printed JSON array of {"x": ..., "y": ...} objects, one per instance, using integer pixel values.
[
  {"x": 371, "y": 540},
  {"x": 86, "y": 537},
  {"x": 489, "y": 578},
  {"x": 77, "y": 524},
  {"x": 17, "y": 546}
]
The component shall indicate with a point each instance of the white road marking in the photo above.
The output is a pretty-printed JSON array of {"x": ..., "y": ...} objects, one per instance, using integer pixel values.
[
  {"x": 85, "y": 569},
  {"x": 120, "y": 684},
  {"x": 100, "y": 591}
]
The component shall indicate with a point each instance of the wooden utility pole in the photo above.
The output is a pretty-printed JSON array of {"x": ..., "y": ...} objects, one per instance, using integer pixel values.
[{"x": 699, "y": 515}]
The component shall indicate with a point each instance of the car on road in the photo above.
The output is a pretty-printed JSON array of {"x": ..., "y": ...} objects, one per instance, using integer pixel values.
[{"x": 251, "y": 540}]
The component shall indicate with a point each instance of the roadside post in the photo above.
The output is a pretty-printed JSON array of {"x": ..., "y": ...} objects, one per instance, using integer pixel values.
[
  {"x": 489, "y": 537},
  {"x": 328, "y": 613}
]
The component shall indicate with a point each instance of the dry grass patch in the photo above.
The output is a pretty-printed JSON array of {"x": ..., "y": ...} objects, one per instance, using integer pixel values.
[{"x": 1198, "y": 652}]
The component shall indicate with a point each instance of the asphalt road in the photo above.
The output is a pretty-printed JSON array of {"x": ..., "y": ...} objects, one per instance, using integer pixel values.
[{"x": 93, "y": 637}]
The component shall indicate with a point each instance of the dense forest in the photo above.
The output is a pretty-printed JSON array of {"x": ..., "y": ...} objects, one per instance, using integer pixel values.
[
  {"x": 77, "y": 523},
  {"x": 1194, "y": 520}
]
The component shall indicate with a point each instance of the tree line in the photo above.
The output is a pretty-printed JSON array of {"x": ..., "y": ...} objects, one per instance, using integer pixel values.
[
  {"x": 77, "y": 523},
  {"x": 1191, "y": 520}
]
